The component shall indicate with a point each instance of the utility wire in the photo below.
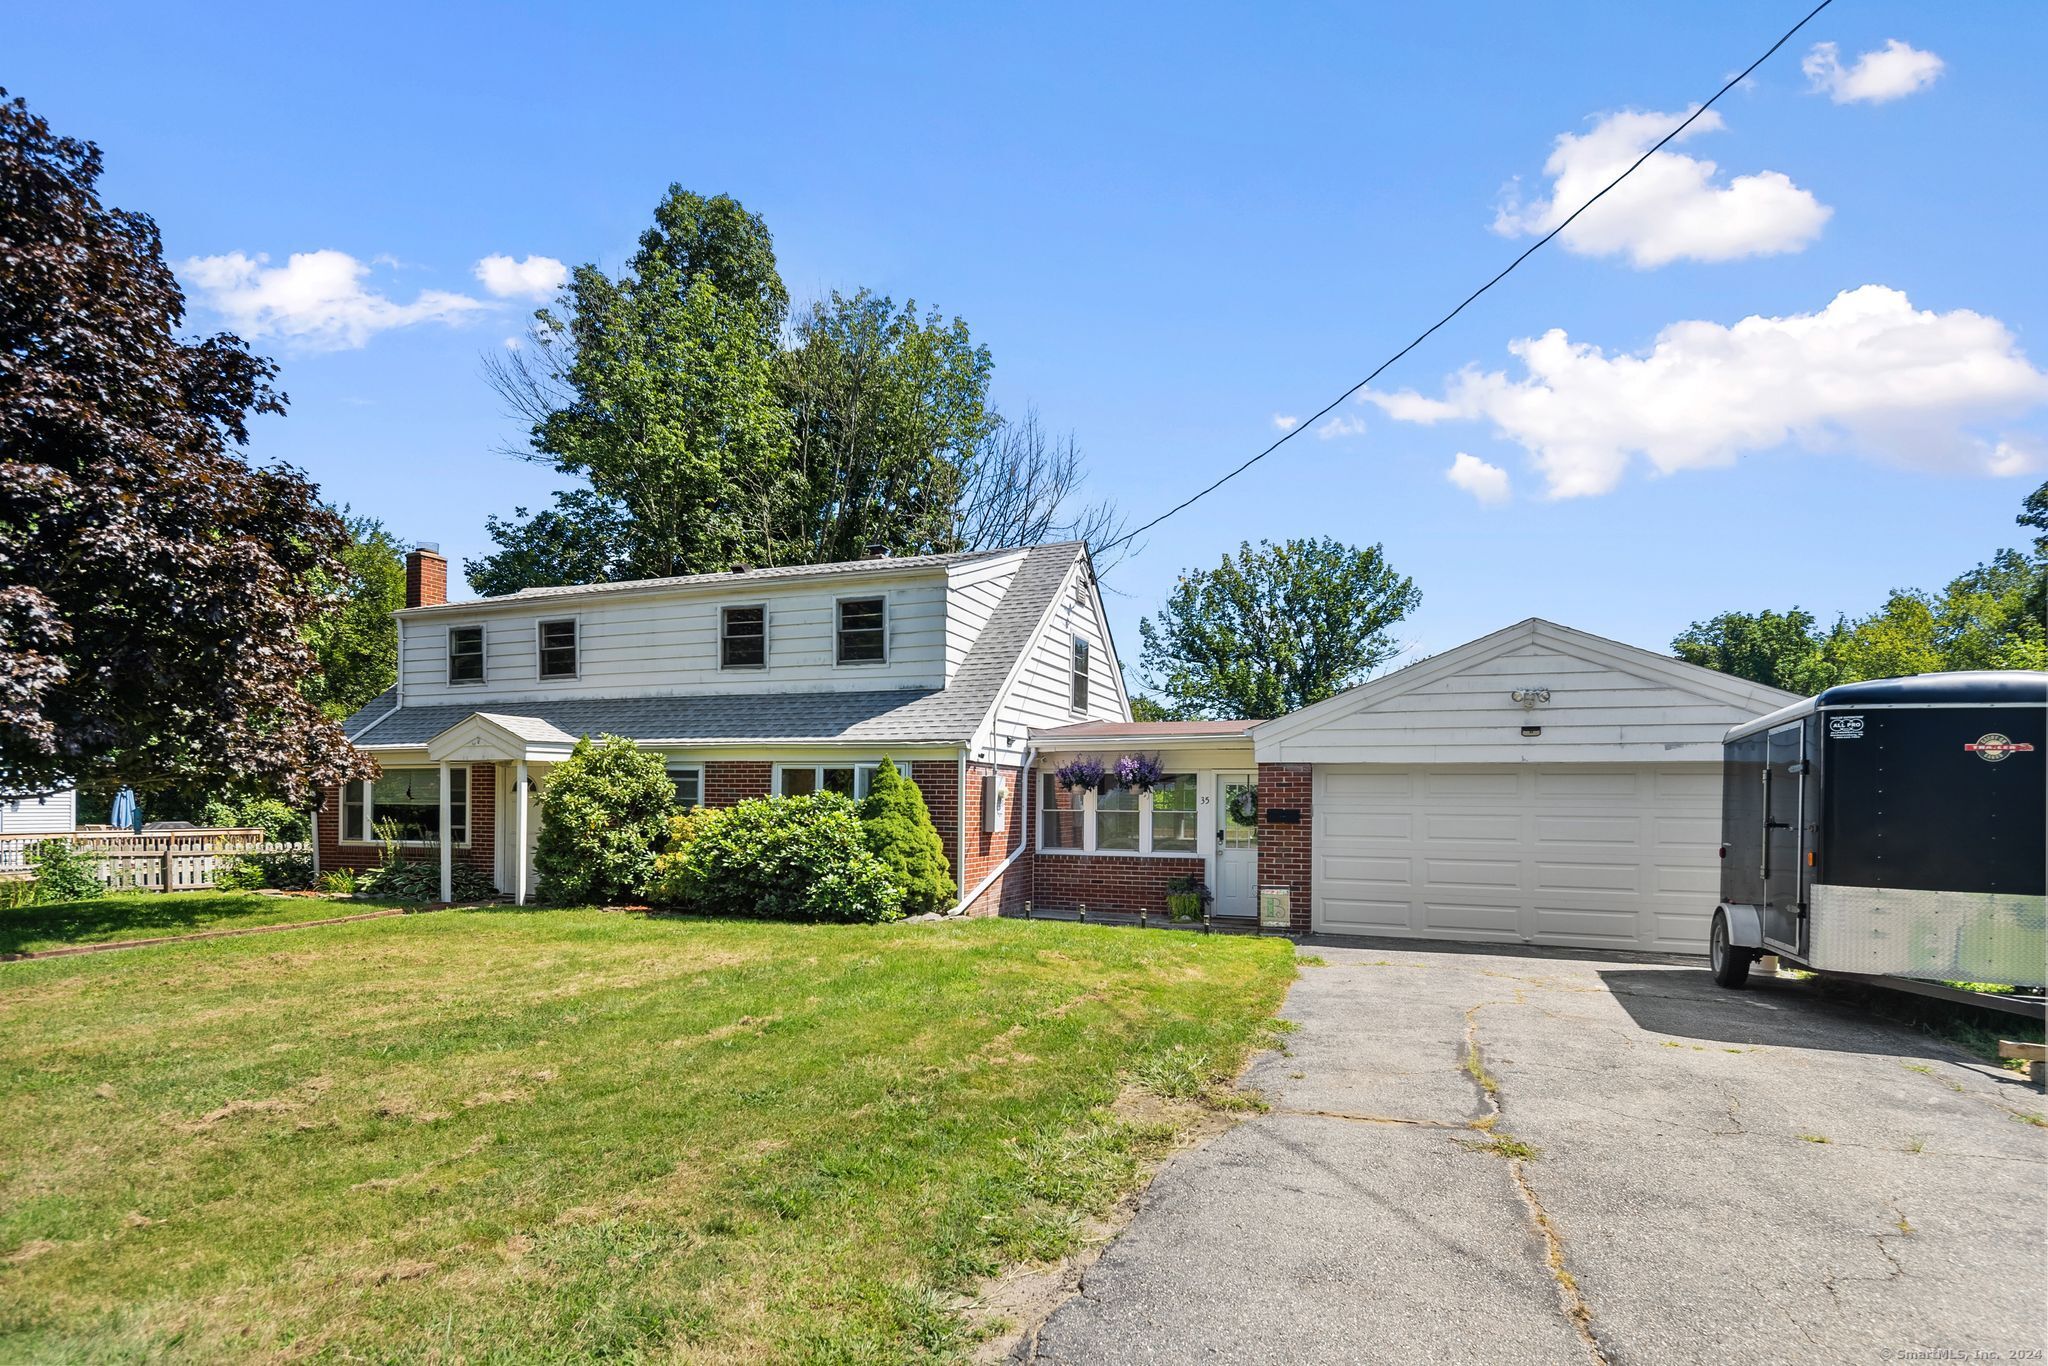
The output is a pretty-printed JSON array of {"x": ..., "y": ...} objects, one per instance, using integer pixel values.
[{"x": 1298, "y": 428}]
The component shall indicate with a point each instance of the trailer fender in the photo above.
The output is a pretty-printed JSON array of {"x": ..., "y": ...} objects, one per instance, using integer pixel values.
[{"x": 1745, "y": 925}]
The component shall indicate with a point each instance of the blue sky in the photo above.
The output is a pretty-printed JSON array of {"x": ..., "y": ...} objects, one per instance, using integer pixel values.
[{"x": 1174, "y": 228}]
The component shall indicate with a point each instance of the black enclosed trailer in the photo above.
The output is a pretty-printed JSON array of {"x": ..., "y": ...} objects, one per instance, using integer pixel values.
[{"x": 1895, "y": 828}]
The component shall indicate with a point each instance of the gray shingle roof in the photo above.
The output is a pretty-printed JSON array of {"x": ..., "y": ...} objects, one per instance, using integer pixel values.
[
  {"x": 884, "y": 716},
  {"x": 832, "y": 569}
]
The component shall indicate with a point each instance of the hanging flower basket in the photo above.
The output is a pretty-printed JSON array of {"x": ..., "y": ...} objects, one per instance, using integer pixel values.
[
  {"x": 1244, "y": 804},
  {"x": 1084, "y": 773},
  {"x": 1139, "y": 772}
]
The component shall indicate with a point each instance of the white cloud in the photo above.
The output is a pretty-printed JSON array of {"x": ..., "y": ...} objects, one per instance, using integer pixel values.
[
  {"x": 1894, "y": 70},
  {"x": 535, "y": 277},
  {"x": 1340, "y": 425},
  {"x": 1675, "y": 207},
  {"x": 1868, "y": 373},
  {"x": 1283, "y": 423},
  {"x": 1488, "y": 483},
  {"x": 317, "y": 298}
]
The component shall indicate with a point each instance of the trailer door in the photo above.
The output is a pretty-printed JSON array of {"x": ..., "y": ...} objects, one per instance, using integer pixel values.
[{"x": 1783, "y": 816}]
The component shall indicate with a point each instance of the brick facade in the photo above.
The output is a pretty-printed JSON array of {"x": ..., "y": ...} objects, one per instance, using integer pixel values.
[
  {"x": 481, "y": 853},
  {"x": 1285, "y": 851},
  {"x": 1108, "y": 882},
  {"x": 729, "y": 781}
]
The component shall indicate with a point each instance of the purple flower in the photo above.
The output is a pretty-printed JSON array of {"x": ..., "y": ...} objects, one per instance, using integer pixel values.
[
  {"x": 1085, "y": 772},
  {"x": 1139, "y": 771}
]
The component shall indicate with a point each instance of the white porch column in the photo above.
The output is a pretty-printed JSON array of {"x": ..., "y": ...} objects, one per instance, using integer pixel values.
[
  {"x": 519, "y": 848},
  {"x": 447, "y": 833}
]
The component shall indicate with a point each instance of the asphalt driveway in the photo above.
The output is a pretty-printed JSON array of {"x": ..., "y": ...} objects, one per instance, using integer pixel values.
[{"x": 1472, "y": 1156}]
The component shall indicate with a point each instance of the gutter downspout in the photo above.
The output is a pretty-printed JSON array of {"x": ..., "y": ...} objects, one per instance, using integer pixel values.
[{"x": 960, "y": 815}]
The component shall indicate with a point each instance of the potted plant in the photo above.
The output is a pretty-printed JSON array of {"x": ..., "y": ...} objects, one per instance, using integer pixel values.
[
  {"x": 1085, "y": 773},
  {"x": 1187, "y": 898},
  {"x": 1139, "y": 772}
]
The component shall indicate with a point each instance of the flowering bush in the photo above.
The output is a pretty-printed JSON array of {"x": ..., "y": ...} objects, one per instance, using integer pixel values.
[
  {"x": 1140, "y": 772},
  {"x": 603, "y": 811},
  {"x": 1085, "y": 773}
]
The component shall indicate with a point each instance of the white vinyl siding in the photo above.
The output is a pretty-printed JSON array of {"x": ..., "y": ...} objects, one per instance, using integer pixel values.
[
  {"x": 1616, "y": 856},
  {"x": 976, "y": 590},
  {"x": 53, "y": 813},
  {"x": 647, "y": 645},
  {"x": 1043, "y": 694}
]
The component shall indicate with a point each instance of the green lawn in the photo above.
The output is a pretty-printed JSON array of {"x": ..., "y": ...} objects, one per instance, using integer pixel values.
[
  {"x": 147, "y": 915},
  {"x": 565, "y": 1135}
]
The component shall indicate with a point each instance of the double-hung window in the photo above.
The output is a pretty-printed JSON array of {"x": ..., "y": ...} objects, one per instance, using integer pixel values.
[
  {"x": 743, "y": 638},
  {"x": 465, "y": 654},
  {"x": 688, "y": 780},
  {"x": 1078, "y": 688},
  {"x": 863, "y": 635},
  {"x": 848, "y": 780},
  {"x": 1165, "y": 820},
  {"x": 558, "y": 648},
  {"x": 404, "y": 804}
]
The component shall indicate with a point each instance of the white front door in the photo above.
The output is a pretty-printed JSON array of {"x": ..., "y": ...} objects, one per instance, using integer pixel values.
[{"x": 1237, "y": 852}]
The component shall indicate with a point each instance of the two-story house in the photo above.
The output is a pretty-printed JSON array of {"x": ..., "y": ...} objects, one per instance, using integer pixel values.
[{"x": 763, "y": 681}]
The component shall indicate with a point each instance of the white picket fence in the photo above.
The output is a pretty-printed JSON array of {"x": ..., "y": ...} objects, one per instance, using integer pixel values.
[{"x": 173, "y": 861}]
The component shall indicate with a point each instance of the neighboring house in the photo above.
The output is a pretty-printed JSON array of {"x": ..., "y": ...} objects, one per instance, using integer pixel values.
[
  {"x": 47, "y": 813},
  {"x": 756, "y": 682},
  {"x": 1537, "y": 785}
]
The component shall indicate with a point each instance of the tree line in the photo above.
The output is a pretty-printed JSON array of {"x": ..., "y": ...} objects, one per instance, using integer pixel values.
[{"x": 1988, "y": 617}]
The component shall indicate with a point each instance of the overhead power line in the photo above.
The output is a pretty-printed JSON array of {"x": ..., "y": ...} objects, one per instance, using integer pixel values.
[{"x": 1298, "y": 428}]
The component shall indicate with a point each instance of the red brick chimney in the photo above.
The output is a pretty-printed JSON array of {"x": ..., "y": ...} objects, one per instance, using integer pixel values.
[{"x": 426, "y": 577}]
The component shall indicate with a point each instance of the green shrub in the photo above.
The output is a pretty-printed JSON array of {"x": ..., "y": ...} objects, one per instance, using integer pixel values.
[
  {"x": 63, "y": 873},
  {"x": 421, "y": 881},
  {"x": 278, "y": 822},
  {"x": 238, "y": 875},
  {"x": 603, "y": 812},
  {"x": 16, "y": 891},
  {"x": 900, "y": 833},
  {"x": 339, "y": 881},
  {"x": 778, "y": 858}
]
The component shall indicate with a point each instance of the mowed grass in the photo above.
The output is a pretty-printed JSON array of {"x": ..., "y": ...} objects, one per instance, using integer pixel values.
[
  {"x": 570, "y": 1135},
  {"x": 150, "y": 915}
]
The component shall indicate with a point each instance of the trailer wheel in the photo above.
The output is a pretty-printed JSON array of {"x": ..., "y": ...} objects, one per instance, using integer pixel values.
[{"x": 1730, "y": 963}]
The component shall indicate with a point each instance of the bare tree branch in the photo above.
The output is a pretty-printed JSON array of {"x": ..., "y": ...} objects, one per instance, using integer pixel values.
[{"x": 1020, "y": 491}]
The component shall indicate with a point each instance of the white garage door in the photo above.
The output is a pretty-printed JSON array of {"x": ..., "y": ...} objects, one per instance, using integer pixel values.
[{"x": 1618, "y": 856}]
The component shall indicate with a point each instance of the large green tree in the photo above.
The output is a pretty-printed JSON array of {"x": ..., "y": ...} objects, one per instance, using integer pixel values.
[
  {"x": 356, "y": 639},
  {"x": 157, "y": 592},
  {"x": 1274, "y": 629},
  {"x": 657, "y": 390},
  {"x": 888, "y": 411},
  {"x": 583, "y": 538},
  {"x": 1781, "y": 649}
]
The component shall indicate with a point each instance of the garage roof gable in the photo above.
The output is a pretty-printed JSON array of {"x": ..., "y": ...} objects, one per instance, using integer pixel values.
[{"x": 1606, "y": 701}]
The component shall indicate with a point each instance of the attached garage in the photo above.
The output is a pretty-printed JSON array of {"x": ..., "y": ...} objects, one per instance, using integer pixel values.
[{"x": 1539, "y": 785}]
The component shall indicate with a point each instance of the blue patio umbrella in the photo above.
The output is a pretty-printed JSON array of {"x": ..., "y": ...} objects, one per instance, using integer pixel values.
[{"x": 127, "y": 811}]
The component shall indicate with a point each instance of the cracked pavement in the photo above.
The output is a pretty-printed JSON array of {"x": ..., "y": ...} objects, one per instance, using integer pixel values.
[{"x": 1678, "y": 1206}]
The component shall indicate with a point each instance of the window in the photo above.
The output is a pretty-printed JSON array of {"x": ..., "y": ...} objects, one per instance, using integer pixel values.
[
  {"x": 465, "y": 654},
  {"x": 743, "y": 638},
  {"x": 405, "y": 804},
  {"x": 848, "y": 780},
  {"x": 1173, "y": 814},
  {"x": 1060, "y": 817},
  {"x": 352, "y": 827},
  {"x": 1078, "y": 697},
  {"x": 558, "y": 649},
  {"x": 689, "y": 784},
  {"x": 1116, "y": 820},
  {"x": 863, "y": 630}
]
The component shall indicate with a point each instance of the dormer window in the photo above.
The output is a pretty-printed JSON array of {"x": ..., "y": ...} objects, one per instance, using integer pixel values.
[
  {"x": 1078, "y": 688},
  {"x": 558, "y": 648},
  {"x": 863, "y": 631},
  {"x": 743, "y": 638},
  {"x": 465, "y": 654}
]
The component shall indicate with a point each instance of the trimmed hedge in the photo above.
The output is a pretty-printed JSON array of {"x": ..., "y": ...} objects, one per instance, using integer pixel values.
[{"x": 777, "y": 858}]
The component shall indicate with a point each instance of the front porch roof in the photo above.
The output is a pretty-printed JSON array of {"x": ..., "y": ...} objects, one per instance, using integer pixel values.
[{"x": 489, "y": 738}]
